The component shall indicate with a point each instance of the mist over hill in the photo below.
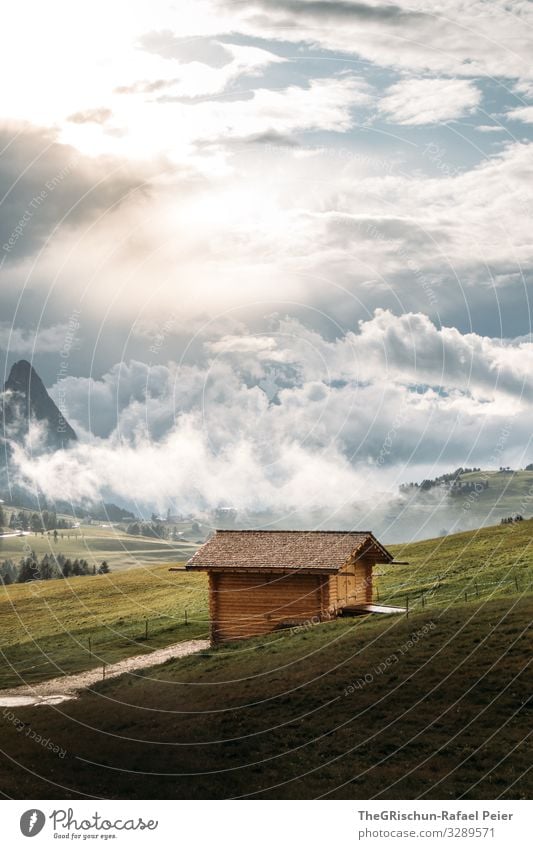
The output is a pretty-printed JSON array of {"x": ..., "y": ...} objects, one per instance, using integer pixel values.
[{"x": 231, "y": 477}]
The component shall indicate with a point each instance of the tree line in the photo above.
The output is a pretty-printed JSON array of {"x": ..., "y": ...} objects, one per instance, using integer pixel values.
[
  {"x": 155, "y": 529},
  {"x": 46, "y": 520},
  {"x": 46, "y": 568}
]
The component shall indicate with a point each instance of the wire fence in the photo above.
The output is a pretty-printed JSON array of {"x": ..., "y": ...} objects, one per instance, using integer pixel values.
[
  {"x": 441, "y": 591},
  {"x": 70, "y": 651},
  {"x": 77, "y": 650}
]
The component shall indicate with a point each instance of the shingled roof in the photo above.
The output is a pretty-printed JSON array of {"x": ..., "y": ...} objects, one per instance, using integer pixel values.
[{"x": 313, "y": 551}]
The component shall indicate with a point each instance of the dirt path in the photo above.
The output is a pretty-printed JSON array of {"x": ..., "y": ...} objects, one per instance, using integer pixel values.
[{"x": 60, "y": 689}]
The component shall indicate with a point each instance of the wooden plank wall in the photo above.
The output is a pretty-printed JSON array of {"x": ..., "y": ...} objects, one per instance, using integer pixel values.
[
  {"x": 363, "y": 580},
  {"x": 249, "y": 605},
  {"x": 352, "y": 585}
]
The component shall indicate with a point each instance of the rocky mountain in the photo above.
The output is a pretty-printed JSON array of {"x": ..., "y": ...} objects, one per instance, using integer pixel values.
[{"x": 24, "y": 400}]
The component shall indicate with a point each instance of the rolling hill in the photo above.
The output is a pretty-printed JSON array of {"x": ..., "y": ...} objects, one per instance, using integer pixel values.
[
  {"x": 46, "y": 626},
  {"x": 434, "y": 707},
  {"x": 480, "y": 498}
]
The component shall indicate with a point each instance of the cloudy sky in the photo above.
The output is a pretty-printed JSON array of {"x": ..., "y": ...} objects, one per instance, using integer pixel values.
[{"x": 272, "y": 252}]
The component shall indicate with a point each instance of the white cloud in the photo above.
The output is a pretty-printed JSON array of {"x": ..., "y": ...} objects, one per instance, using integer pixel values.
[
  {"x": 522, "y": 113},
  {"x": 16, "y": 340},
  {"x": 147, "y": 127},
  {"x": 242, "y": 344},
  {"x": 429, "y": 101},
  {"x": 246, "y": 430},
  {"x": 458, "y": 39},
  {"x": 314, "y": 232}
]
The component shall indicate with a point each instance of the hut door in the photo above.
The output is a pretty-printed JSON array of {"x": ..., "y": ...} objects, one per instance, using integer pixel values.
[{"x": 342, "y": 584}]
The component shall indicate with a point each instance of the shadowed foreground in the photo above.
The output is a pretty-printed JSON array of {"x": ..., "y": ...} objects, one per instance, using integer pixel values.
[{"x": 434, "y": 706}]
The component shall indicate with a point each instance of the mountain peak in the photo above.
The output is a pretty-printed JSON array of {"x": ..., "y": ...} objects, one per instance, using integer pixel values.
[
  {"x": 21, "y": 377},
  {"x": 26, "y": 398}
]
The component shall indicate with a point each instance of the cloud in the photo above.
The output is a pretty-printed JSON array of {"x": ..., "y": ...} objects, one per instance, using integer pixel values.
[
  {"x": 522, "y": 113},
  {"x": 242, "y": 344},
  {"x": 339, "y": 11},
  {"x": 429, "y": 101},
  {"x": 269, "y": 189},
  {"x": 96, "y": 116},
  {"x": 461, "y": 40},
  {"x": 192, "y": 78},
  {"x": 399, "y": 231},
  {"x": 325, "y": 104},
  {"x": 165, "y": 43},
  {"x": 41, "y": 340},
  {"x": 324, "y": 236},
  {"x": 44, "y": 185},
  {"x": 301, "y": 430},
  {"x": 294, "y": 387}
]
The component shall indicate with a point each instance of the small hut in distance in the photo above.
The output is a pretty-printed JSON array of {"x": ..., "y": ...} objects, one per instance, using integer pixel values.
[{"x": 263, "y": 580}]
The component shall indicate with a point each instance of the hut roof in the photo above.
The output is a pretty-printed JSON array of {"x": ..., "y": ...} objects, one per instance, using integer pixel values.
[{"x": 309, "y": 551}]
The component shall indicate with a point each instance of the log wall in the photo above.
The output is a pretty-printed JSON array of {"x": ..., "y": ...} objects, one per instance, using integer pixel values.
[
  {"x": 245, "y": 605},
  {"x": 352, "y": 585}
]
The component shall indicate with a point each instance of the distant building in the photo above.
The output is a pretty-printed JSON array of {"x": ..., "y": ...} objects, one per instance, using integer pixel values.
[{"x": 225, "y": 517}]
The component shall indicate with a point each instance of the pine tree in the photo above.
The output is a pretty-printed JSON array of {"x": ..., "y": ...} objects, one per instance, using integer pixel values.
[{"x": 28, "y": 571}]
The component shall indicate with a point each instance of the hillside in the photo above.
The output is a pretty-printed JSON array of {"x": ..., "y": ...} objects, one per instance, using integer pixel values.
[
  {"x": 46, "y": 625},
  {"x": 434, "y": 707},
  {"x": 486, "y": 563},
  {"x": 96, "y": 543},
  {"x": 508, "y": 492},
  {"x": 479, "y": 498}
]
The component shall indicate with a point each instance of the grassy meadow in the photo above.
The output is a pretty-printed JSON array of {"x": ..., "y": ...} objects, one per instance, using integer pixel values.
[
  {"x": 96, "y": 543},
  {"x": 322, "y": 712},
  {"x": 46, "y": 625},
  {"x": 507, "y": 493},
  {"x": 486, "y": 563}
]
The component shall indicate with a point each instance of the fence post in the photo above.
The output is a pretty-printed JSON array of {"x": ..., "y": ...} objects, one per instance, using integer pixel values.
[
  {"x": 103, "y": 672},
  {"x": 423, "y": 601},
  {"x": 186, "y": 621},
  {"x": 146, "y": 629},
  {"x": 477, "y": 589},
  {"x": 407, "y": 606},
  {"x": 90, "y": 648},
  {"x": 466, "y": 596},
  {"x": 516, "y": 583}
]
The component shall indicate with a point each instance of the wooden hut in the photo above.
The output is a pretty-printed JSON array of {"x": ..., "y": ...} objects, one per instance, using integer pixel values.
[{"x": 263, "y": 580}]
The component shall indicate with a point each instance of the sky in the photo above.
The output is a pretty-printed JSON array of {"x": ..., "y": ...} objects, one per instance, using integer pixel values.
[{"x": 272, "y": 254}]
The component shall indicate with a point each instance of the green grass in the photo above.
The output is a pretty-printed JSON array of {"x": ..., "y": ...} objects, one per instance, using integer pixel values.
[
  {"x": 487, "y": 563},
  {"x": 46, "y": 625},
  {"x": 96, "y": 543},
  {"x": 507, "y": 493},
  {"x": 281, "y": 718}
]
